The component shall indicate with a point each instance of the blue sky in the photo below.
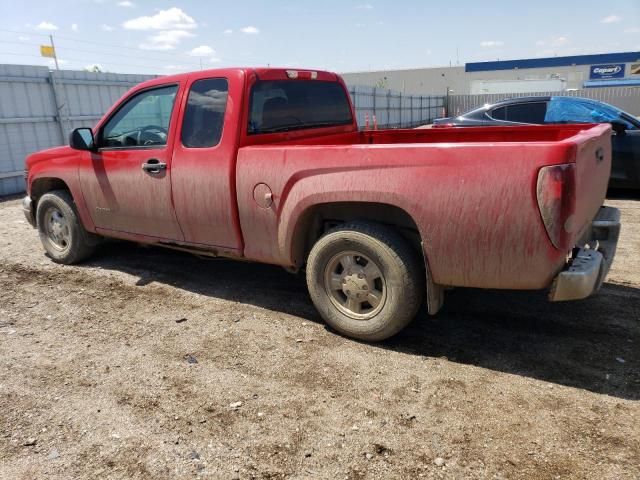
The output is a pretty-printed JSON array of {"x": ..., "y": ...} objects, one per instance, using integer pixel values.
[{"x": 137, "y": 36}]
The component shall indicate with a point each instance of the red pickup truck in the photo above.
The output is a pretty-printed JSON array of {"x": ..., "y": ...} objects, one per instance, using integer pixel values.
[{"x": 268, "y": 165}]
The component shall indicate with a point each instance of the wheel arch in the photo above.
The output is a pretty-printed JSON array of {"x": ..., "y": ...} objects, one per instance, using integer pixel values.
[
  {"x": 315, "y": 220},
  {"x": 48, "y": 183},
  {"x": 42, "y": 185}
]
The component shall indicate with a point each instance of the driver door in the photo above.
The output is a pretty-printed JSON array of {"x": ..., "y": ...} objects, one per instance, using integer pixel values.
[{"x": 127, "y": 182}]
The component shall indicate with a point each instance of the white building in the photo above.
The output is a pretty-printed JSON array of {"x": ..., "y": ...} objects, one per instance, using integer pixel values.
[{"x": 511, "y": 76}]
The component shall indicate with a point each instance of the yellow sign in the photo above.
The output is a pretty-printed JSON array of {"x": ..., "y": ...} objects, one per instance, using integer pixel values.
[{"x": 47, "y": 51}]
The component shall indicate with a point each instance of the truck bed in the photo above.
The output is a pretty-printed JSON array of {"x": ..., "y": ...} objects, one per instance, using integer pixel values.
[
  {"x": 472, "y": 193},
  {"x": 545, "y": 133}
]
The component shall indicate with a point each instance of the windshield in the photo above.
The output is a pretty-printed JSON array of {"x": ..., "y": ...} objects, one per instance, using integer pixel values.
[{"x": 283, "y": 105}]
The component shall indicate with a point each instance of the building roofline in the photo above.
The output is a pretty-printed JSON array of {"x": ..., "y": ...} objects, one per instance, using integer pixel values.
[
  {"x": 622, "y": 57},
  {"x": 401, "y": 69}
]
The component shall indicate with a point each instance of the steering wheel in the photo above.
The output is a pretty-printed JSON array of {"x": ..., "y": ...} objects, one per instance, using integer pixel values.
[{"x": 151, "y": 129}]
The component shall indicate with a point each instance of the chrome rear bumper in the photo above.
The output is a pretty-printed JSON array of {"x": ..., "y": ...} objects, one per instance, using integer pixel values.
[{"x": 589, "y": 266}]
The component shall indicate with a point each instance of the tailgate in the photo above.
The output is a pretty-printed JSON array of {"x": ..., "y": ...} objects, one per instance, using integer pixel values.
[{"x": 592, "y": 171}]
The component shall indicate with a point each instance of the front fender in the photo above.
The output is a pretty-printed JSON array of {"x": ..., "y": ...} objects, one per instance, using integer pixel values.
[{"x": 59, "y": 165}]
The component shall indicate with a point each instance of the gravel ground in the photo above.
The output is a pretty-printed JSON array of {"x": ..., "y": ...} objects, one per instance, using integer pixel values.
[{"x": 147, "y": 363}]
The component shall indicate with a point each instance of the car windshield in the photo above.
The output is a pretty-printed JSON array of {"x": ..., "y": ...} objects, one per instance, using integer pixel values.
[{"x": 580, "y": 110}]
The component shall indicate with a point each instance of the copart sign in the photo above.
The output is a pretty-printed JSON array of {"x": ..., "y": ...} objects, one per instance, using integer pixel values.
[{"x": 615, "y": 70}]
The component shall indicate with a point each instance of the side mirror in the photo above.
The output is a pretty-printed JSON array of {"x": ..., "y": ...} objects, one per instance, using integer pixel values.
[
  {"x": 619, "y": 128},
  {"x": 82, "y": 139}
]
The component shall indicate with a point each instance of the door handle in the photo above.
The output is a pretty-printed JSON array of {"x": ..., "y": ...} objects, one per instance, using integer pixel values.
[{"x": 154, "y": 166}]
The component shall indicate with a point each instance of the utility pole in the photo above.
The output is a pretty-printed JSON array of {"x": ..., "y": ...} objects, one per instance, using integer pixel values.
[{"x": 55, "y": 55}]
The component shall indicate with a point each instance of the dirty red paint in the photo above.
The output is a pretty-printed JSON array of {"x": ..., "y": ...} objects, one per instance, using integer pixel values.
[{"x": 471, "y": 191}]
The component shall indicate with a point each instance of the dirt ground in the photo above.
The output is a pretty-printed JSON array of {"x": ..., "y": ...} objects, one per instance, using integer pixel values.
[{"x": 147, "y": 363}]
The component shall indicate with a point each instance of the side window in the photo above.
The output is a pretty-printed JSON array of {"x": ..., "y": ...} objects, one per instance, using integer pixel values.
[
  {"x": 142, "y": 121},
  {"x": 532, "y": 112},
  {"x": 499, "y": 113},
  {"x": 204, "y": 115}
]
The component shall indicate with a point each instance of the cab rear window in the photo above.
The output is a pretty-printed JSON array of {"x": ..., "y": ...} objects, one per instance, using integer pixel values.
[{"x": 284, "y": 105}]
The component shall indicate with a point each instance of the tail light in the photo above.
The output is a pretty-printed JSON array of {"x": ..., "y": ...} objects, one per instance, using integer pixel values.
[
  {"x": 443, "y": 125},
  {"x": 556, "y": 199}
]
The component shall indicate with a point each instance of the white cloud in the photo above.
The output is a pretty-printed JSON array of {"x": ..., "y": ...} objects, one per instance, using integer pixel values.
[
  {"x": 611, "y": 19},
  {"x": 46, "y": 26},
  {"x": 561, "y": 40},
  {"x": 250, "y": 30},
  {"x": 23, "y": 38},
  {"x": 364, "y": 6},
  {"x": 126, "y": 3},
  {"x": 557, "y": 41},
  {"x": 201, "y": 51},
  {"x": 172, "y": 19},
  {"x": 228, "y": 31},
  {"x": 106, "y": 28},
  {"x": 166, "y": 40},
  {"x": 74, "y": 27},
  {"x": 491, "y": 43},
  {"x": 177, "y": 68},
  {"x": 632, "y": 30}
]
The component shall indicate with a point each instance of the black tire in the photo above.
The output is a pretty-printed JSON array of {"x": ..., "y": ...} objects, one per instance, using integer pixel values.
[
  {"x": 77, "y": 244},
  {"x": 400, "y": 277}
]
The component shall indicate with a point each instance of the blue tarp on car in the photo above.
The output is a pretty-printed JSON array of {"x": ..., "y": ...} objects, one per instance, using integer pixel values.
[{"x": 581, "y": 110}]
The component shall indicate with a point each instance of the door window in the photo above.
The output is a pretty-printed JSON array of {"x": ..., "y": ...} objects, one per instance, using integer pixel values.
[
  {"x": 143, "y": 121},
  {"x": 530, "y": 112},
  {"x": 204, "y": 115},
  {"x": 499, "y": 113}
]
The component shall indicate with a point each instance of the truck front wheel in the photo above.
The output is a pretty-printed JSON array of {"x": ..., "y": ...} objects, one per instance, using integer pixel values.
[
  {"x": 61, "y": 233},
  {"x": 365, "y": 280}
]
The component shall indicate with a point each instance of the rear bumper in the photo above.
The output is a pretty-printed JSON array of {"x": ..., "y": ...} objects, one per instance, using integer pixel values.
[
  {"x": 586, "y": 271},
  {"x": 27, "y": 209}
]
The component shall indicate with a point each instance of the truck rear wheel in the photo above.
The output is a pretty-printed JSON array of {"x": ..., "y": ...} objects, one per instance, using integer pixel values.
[
  {"x": 365, "y": 280},
  {"x": 61, "y": 233}
]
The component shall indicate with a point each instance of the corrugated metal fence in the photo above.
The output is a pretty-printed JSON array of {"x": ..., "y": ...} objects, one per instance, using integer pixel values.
[
  {"x": 626, "y": 98},
  {"x": 394, "y": 109},
  {"x": 39, "y": 107}
]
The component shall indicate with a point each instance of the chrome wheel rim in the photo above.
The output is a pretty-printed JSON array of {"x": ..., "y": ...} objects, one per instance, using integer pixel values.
[
  {"x": 355, "y": 285},
  {"x": 57, "y": 229}
]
